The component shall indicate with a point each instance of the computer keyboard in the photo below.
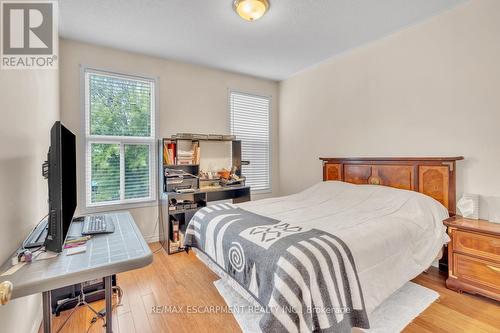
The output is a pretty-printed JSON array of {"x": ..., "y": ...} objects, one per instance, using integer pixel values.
[{"x": 97, "y": 224}]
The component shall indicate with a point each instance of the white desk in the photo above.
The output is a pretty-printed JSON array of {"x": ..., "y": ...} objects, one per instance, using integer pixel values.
[{"x": 106, "y": 254}]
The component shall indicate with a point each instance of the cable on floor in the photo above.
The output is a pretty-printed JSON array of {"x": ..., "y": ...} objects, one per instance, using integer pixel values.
[{"x": 118, "y": 291}]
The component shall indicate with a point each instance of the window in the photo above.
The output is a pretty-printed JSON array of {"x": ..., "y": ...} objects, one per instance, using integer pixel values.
[
  {"x": 250, "y": 123},
  {"x": 119, "y": 138}
]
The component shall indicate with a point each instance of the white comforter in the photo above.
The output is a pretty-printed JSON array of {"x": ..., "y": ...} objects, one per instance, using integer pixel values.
[{"x": 393, "y": 234}]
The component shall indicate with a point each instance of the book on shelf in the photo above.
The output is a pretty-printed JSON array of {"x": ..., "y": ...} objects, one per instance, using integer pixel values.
[
  {"x": 174, "y": 247},
  {"x": 165, "y": 153},
  {"x": 185, "y": 154},
  {"x": 215, "y": 136},
  {"x": 169, "y": 151},
  {"x": 184, "y": 162},
  {"x": 175, "y": 231},
  {"x": 177, "y": 245},
  {"x": 173, "y": 155},
  {"x": 196, "y": 153},
  {"x": 189, "y": 136}
]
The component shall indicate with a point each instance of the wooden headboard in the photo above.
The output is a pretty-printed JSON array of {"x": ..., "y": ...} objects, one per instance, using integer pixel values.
[{"x": 433, "y": 176}]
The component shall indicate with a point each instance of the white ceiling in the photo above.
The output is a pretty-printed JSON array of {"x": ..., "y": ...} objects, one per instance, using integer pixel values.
[{"x": 293, "y": 35}]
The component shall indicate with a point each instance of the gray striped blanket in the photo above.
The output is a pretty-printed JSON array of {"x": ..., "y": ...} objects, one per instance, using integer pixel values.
[{"x": 304, "y": 279}]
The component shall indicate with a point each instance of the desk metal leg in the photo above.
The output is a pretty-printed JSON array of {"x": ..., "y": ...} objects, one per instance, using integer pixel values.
[
  {"x": 47, "y": 315},
  {"x": 108, "y": 293}
]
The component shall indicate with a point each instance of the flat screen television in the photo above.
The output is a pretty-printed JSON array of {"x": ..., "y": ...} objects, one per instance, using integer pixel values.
[{"x": 60, "y": 169}]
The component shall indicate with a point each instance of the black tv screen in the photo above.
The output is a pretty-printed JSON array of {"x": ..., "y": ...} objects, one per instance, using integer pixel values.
[{"x": 62, "y": 185}]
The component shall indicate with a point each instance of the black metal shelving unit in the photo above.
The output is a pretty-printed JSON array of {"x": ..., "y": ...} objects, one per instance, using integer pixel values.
[{"x": 200, "y": 196}]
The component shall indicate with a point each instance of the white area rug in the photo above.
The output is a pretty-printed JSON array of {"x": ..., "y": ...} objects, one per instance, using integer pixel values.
[{"x": 390, "y": 317}]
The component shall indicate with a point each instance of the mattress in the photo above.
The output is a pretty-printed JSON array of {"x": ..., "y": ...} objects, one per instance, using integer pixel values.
[{"x": 394, "y": 235}]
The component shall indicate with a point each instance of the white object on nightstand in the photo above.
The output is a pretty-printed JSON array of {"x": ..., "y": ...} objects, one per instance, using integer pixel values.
[{"x": 469, "y": 206}]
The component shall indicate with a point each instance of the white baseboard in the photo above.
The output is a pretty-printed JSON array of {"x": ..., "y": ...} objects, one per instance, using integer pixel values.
[
  {"x": 152, "y": 239},
  {"x": 37, "y": 322}
]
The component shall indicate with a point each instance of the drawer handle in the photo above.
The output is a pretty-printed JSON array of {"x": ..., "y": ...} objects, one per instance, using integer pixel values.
[{"x": 496, "y": 269}]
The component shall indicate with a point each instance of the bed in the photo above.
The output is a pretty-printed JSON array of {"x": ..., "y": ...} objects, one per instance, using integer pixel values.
[{"x": 323, "y": 259}]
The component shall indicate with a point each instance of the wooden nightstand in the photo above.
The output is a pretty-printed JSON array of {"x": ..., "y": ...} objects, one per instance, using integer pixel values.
[{"x": 474, "y": 256}]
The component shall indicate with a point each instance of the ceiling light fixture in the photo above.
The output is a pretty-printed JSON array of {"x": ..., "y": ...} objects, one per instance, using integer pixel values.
[{"x": 251, "y": 10}]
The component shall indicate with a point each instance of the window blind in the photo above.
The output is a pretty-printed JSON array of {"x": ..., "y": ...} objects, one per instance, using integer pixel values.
[
  {"x": 250, "y": 124},
  {"x": 119, "y": 138}
]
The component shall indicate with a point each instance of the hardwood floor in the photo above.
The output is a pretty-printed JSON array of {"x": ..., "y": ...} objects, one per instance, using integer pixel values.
[{"x": 182, "y": 280}]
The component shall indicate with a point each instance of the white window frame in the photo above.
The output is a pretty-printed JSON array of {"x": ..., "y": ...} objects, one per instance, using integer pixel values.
[
  {"x": 270, "y": 164},
  {"x": 121, "y": 141}
]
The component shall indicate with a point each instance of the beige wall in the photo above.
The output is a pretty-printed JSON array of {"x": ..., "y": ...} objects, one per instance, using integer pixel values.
[
  {"x": 29, "y": 105},
  {"x": 431, "y": 89},
  {"x": 191, "y": 99}
]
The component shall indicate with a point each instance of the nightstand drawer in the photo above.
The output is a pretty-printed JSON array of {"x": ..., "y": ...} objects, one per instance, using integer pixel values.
[
  {"x": 477, "y": 244},
  {"x": 475, "y": 270}
]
